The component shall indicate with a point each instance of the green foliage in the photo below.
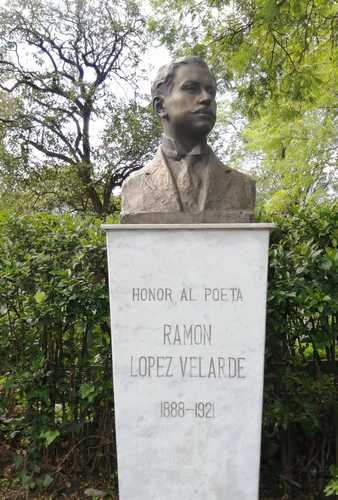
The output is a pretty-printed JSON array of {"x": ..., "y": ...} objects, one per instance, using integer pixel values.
[
  {"x": 49, "y": 437},
  {"x": 332, "y": 487},
  {"x": 301, "y": 401},
  {"x": 304, "y": 274},
  {"x": 55, "y": 361},
  {"x": 298, "y": 155}
]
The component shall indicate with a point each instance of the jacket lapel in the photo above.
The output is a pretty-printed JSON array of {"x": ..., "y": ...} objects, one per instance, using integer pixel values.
[{"x": 218, "y": 183}]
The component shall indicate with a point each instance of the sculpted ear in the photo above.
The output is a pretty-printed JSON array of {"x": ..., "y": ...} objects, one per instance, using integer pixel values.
[{"x": 159, "y": 107}]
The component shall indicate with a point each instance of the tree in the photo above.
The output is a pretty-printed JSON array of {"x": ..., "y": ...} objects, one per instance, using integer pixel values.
[
  {"x": 297, "y": 157},
  {"x": 279, "y": 59},
  {"x": 58, "y": 63}
]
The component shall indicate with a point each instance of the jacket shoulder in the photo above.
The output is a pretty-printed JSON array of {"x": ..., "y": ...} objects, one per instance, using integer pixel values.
[
  {"x": 235, "y": 188},
  {"x": 132, "y": 194}
]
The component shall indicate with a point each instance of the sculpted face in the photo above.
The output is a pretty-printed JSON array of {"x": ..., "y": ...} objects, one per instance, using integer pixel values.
[{"x": 190, "y": 107}]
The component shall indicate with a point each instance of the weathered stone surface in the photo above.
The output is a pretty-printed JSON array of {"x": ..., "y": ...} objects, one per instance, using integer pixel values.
[
  {"x": 151, "y": 196},
  {"x": 208, "y": 216},
  {"x": 188, "y": 325}
]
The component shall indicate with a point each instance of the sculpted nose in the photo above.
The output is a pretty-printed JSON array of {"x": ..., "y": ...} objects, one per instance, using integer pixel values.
[{"x": 205, "y": 97}]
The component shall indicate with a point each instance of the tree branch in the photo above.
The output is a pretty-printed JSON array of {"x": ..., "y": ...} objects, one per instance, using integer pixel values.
[{"x": 51, "y": 154}]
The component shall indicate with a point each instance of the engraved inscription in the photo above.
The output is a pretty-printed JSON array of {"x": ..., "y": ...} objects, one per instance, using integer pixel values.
[
  {"x": 152, "y": 294},
  {"x": 211, "y": 367},
  {"x": 167, "y": 294},
  {"x": 223, "y": 295},
  {"x": 151, "y": 366},
  {"x": 188, "y": 367},
  {"x": 186, "y": 334},
  {"x": 199, "y": 362},
  {"x": 179, "y": 409}
]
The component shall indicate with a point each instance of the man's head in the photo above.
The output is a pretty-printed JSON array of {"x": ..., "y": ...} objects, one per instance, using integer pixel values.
[{"x": 184, "y": 97}]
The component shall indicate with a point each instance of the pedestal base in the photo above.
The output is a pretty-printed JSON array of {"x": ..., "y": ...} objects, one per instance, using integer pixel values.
[{"x": 188, "y": 323}]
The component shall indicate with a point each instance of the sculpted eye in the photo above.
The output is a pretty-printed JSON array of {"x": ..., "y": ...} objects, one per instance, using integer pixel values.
[
  {"x": 191, "y": 87},
  {"x": 212, "y": 91}
]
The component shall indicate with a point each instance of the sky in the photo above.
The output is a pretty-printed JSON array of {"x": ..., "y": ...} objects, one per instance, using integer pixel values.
[{"x": 154, "y": 58}]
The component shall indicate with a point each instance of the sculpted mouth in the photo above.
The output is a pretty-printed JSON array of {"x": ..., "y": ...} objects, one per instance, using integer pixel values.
[{"x": 204, "y": 112}]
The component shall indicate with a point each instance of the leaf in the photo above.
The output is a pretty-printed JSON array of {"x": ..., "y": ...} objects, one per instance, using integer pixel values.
[
  {"x": 270, "y": 9},
  {"x": 49, "y": 437},
  {"x": 18, "y": 461},
  {"x": 94, "y": 492},
  {"x": 40, "y": 297},
  {"x": 87, "y": 391},
  {"x": 27, "y": 481},
  {"x": 47, "y": 480}
]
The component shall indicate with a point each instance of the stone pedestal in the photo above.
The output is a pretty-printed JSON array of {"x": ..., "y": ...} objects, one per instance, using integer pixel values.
[{"x": 188, "y": 309}]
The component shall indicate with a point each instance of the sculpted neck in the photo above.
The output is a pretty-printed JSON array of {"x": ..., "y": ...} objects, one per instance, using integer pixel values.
[{"x": 185, "y": 143}]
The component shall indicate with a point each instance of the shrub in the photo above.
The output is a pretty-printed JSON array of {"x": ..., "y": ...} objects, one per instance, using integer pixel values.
[
  {"x": 55, "y": 362},
  {"x": 300, "y": 437}
]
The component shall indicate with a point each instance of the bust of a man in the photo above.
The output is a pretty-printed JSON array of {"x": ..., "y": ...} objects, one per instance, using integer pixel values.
[{"x": 185, "y": 182}]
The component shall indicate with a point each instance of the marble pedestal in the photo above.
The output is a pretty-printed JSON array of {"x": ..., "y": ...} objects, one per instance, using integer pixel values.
[{"x": 188, "y": 309}]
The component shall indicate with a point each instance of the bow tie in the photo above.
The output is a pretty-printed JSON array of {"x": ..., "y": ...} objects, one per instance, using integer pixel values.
[{"x": 169, "y": 148}]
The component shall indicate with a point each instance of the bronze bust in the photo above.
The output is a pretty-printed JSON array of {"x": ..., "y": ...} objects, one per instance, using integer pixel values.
[{"x": 185, "y": 182}]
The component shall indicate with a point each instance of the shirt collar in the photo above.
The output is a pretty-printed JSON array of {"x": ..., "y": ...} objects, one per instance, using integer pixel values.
[{"x": 171, "y": 151}]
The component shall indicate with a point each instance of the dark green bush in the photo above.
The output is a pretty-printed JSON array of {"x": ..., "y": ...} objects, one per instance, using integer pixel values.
[
  {"x": 300, "y": 428},
  {"x": 55, "y": 363}
]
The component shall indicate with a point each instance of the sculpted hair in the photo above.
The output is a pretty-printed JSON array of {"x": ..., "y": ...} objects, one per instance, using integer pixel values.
[{"x": 166, "y": 74}]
